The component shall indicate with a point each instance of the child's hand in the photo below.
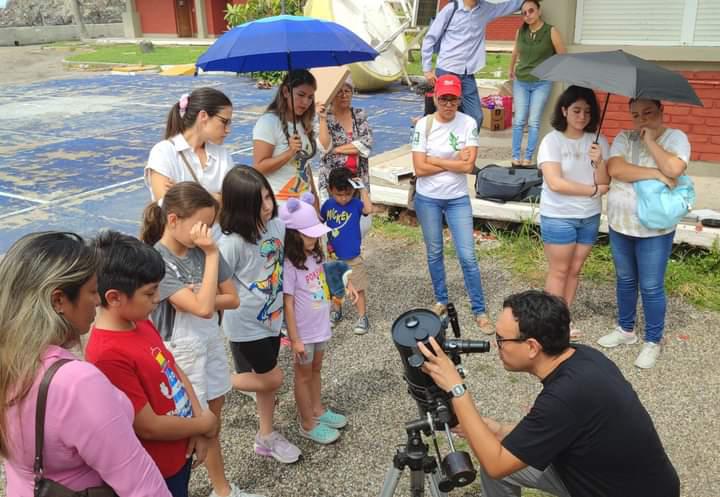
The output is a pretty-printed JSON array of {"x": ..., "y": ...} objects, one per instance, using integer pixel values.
[
  {"x": 201, "y": 236},
  {"x": 464, "y": 154},
  {"x": 209, "y": 423},
  {"x": 298, "y": 349},
  {"x": 198, "y": 445},
  {"x": 352, "y": 293}
]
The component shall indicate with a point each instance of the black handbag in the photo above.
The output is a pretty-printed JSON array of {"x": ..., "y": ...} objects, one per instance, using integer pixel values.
[
  {"x": 43, "y": 486},
  {"x": 502, "y": 184}
]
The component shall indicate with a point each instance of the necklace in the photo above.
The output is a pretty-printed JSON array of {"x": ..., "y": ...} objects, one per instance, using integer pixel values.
[{"x": 574, "y": 148}]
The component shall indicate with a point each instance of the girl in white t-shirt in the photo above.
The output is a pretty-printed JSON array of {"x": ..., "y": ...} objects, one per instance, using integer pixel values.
[
  {"x": 284, "y": 139},
  {"x": 444, "y": 149},
  {"x": 574, "y": 178},
  {"x": 192, "y": 150}
]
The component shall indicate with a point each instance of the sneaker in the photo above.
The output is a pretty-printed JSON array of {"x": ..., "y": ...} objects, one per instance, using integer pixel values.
[
  {"x": 332, "y": 419},
  {"x": 285, "y": 341},
  {"x": 322, "y": 434},
  {"x": 616, "y": 337},
  {"x": 277, "y": 447},
  {"x": 484, "y": 323},
  {"x": 362, "y": 326},
  {"x": 335, "y": 316},
  {"x": 235, "y": 492},
  {"x": 440, "y": 309},
  {"x": 648, "y": 355}
]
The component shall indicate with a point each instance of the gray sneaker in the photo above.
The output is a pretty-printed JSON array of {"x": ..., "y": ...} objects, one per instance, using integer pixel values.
[
  {"x": 362, "y": 326},
  {"x": 235, "y": 492}
]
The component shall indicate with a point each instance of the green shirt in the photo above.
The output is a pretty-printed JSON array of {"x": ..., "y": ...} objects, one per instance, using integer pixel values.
[{"x": 533, "y": 49}]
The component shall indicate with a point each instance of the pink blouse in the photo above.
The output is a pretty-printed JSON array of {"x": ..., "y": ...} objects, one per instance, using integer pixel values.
[{"x": 89, "y": 436}]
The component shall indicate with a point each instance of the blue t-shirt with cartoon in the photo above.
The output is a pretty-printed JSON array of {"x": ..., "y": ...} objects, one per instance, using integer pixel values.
[{"x": 344, "y": 220}]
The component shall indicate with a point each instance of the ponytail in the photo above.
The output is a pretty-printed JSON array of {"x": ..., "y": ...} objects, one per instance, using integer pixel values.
[
  {"x": 182, "y": 199},
  {"x": 208, "y": 99},
  {"x": 153, "y": 227}
]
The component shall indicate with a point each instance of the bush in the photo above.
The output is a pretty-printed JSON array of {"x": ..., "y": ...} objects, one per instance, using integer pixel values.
[{"x": 236, "y": 15}]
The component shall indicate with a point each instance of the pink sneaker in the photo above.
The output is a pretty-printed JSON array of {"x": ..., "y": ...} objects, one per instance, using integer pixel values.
[
  {"x": 277, "y": 447},
  {"x": 285, "y": 341}
]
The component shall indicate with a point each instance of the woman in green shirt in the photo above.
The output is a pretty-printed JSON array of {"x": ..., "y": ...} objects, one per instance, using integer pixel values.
[{"x": 535, "y": 41}]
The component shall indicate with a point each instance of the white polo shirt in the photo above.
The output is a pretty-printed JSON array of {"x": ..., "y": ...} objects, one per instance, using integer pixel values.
[{"x": 165, "y": 159}]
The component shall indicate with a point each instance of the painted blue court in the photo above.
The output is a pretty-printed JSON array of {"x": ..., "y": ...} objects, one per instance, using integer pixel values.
[{"x": 74, "y": 150}]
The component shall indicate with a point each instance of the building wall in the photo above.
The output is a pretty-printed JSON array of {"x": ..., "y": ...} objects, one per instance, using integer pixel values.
[
  {"x": 156, "y": 16},
  {"x": 701, "y": 124}
]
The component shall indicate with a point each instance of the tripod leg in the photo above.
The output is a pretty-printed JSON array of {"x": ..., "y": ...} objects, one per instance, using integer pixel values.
[
  {"x": 417, "y": 483},
  {"x": 434, "y": 484},
  {"x": 392, "y": 477}
]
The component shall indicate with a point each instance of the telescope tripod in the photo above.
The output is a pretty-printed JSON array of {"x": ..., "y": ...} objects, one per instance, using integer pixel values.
[{"x": 414, "y": 455}]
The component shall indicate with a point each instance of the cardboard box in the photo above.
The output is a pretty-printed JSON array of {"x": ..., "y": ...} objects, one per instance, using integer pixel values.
[
  {"x": 329, "y": 81},
  {"x": 493, "y": 119}
]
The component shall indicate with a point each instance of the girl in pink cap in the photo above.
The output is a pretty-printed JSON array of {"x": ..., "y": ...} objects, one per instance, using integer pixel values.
[{"x": 306, "y": 302}]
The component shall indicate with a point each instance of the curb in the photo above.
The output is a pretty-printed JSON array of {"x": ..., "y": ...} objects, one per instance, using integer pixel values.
[{"x": 117, "y": 68}]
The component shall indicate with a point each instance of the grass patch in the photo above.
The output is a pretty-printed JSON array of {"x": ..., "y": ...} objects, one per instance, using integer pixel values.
[
  {"x": 131, "y": 54},
  {"x": 693, "y": 273},
  {"x": 499, "y": 61}
]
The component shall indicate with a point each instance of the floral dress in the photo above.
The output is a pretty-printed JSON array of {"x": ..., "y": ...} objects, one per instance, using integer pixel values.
[{"x": 361, "y": 137}]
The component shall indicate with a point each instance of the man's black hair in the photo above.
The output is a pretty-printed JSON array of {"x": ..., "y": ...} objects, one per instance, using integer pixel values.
[
  {"x": 542, "y": 316},
  {"x": 339, "y": 179},
  {"x": 126, "y": 264}
]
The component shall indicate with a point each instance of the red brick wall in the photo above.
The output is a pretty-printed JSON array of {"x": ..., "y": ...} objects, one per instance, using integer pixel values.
[
  {"x": 702, "y": 124},
  {"x": 502, "y": 29}
]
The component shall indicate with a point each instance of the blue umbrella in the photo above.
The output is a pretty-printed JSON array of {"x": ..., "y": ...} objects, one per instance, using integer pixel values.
[{"x": 283, "y": 43}]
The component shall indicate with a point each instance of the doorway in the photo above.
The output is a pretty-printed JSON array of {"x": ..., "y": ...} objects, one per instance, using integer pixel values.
[{"x": 183, "y": 18}]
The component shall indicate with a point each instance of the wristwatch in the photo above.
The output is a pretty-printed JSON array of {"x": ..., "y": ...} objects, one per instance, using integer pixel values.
[{"x": 458, "y": 390}]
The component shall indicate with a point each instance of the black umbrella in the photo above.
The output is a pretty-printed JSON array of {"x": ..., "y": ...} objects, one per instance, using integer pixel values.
[{"x": 620, "y": 73}]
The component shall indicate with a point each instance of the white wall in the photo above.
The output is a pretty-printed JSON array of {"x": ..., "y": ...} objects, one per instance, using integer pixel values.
[{"x": 48, "y": 34}]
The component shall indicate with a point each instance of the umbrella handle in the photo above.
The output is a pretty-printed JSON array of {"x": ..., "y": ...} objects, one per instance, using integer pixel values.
[
  {"x": 292, "y": 98},
  {"x": 597, "y": 134}
]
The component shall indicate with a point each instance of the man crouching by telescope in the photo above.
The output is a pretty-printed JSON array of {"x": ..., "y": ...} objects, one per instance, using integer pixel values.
[{"x": 587, "y": 433}]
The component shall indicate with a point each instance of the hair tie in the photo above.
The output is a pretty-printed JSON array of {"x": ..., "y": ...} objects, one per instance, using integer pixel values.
[
  {"x": 160, "y": 202},
  {"x": 183, "y": 104}
]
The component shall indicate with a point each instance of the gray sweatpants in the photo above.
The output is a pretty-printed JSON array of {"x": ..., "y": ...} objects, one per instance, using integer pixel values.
[{"x": 511, "y": 486}]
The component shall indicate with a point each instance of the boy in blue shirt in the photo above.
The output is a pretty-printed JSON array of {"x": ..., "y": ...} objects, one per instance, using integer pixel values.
[{"x": 342, "y": 213}]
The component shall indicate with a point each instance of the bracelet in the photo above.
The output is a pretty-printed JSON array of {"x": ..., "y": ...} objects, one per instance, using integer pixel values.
[{"x": 595, "y": 192}]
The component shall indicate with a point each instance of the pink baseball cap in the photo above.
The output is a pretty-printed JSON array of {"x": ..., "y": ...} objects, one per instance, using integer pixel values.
[
  {"x": 448, "y": 84},
  {"x": 300, "y": 214}
]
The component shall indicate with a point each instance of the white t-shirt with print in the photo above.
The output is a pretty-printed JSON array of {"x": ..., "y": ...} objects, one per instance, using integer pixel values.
[
  {"x": 445, "y": 141},
  {"x": 575, "y": 165},
  {"x": 622, "y": 200},
  {"x": 269, "y": 130},
  {"x": 165, "y": 159}
]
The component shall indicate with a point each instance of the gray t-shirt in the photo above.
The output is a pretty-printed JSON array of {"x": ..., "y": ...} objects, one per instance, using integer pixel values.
[
  {"x": 184, "y": 272},
  {"x": 258, "y": 276}
]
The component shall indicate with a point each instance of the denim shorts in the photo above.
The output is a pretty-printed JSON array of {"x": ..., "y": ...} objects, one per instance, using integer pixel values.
[{"x": 564, "y": 231}]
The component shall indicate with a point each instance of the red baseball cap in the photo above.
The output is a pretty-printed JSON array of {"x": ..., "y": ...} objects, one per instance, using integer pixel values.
[{"x": 448, "y": 84}]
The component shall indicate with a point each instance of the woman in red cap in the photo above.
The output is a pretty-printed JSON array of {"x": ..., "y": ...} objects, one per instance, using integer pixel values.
[{"x": 444, "y": 147}]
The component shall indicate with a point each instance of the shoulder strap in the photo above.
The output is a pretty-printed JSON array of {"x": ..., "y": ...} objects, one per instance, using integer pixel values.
[
  {"x": 442, "y": 33},
  {"x": 428, "y": 126},
  {"x": 40, "y": 415},
  {"x": 189, "y": 167}
]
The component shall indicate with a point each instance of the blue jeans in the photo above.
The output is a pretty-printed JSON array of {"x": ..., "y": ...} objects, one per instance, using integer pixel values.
[
  {"x": 641, "y": 262},
  {"x": 178, "y": 484},
  {"x": 458, "y": 215},
  {"x": 470, "y": 104},
  {"x": 529, "y": 98}
]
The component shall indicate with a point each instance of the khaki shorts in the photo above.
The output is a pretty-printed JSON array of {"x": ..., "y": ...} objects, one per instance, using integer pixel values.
[{"x": 359, "y": 276}]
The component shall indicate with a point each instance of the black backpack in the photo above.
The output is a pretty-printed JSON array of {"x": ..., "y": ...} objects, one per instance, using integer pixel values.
[{"x": 504, "y": 184}]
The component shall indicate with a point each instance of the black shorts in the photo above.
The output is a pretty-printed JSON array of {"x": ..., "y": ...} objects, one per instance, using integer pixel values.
[{"x": 259, "y": 356}]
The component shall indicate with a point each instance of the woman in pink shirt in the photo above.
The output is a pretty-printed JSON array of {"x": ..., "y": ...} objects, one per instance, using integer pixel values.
[{"x": 47, "y": 300}]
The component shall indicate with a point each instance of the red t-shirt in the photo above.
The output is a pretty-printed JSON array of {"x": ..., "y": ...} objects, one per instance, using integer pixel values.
[{"x": 138, "y": 363}]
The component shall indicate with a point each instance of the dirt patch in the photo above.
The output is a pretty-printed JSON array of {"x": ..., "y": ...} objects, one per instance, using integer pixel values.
[{"x": 32, "y": 63}]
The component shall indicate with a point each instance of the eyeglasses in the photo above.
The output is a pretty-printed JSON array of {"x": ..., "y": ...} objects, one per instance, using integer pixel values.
[
  {"x": 499, "y": 340},
  {"x": 345, "y": 91},
  {"x": 528, "y": 11},
  {"x": 226, "y": 122},
  {"x": 448, "y": 100}
]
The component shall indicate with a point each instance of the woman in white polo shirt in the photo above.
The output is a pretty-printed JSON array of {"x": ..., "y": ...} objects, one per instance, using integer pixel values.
[
  {"x": 192, "y": 150},
  {"x": 574, "y": 180},
  {"x": 444, "y": 149}
]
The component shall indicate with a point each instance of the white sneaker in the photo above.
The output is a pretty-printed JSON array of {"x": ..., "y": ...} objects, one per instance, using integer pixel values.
[
  {"x": 235, "y": 492},
  {"x": 648, "y": 355},
  {"x": 616, "y": 337}
]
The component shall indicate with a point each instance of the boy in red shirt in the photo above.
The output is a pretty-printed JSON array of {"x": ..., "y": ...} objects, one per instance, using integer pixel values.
[{"x": 127, "y": 348}]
